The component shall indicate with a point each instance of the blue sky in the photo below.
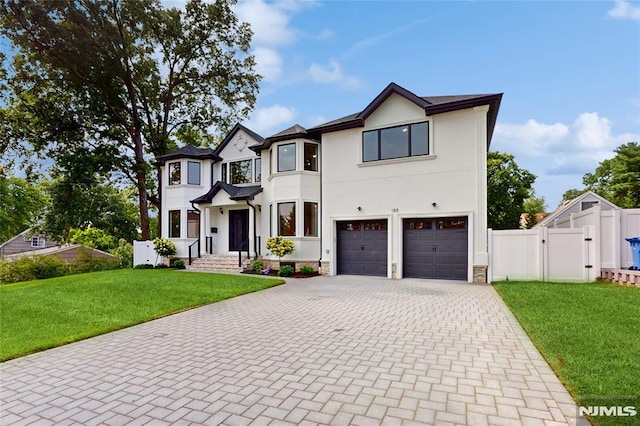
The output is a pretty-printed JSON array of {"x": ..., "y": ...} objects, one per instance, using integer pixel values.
[{"x": 569, "y": 71}]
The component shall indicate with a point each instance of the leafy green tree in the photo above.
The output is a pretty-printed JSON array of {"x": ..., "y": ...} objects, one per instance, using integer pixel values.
[
  {"x": 508, "y": 186},
  {"x": 125, "y": 76},
  {"x": 617, "y": 179},
  {"x": 21, "y": 203},
  {"x": 532, "y": 206},
  {"x": 93, "y": 237}
]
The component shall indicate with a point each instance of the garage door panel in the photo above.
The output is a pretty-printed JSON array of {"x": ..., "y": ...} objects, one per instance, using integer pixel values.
[
  {"x": 362, "y": 247},
  {"x": 435, "y": 248}
]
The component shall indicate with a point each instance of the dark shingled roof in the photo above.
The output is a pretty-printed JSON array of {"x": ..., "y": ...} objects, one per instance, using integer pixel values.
[
  {"x": 188, "y": 152},
  {"x": 293, "y": 132},
  {"x": 235, "y": 192},
  {"x": 431, "y": 105}
]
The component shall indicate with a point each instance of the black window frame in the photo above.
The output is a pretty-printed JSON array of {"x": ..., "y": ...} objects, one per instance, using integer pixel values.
[
  {"x": 190, "y": 175},
  {"x": 223, "y": 173},
  {"x": 295, "y": 153},
  {"x": 312, "y": 165},
  {"x": 257, "y": 172},
  {"x": 190, "y": 220},
  {"x": 173, "y": 225},
  {"x": 378, "y": 136},
  {"x": 313, "y": 229},
  {"x": 249, "y": 169},
  {"x": 280, "y": 221},
  {"x": 177, "y": 167}
]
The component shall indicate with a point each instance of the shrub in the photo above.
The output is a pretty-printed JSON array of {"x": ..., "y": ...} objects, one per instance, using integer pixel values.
[
  {"x": 164, "y": 247},
  {"x": 161, "y": 266},
  {"x": 285, "y": 271},
  {"x": 257, "y": 266},
  {"x": 32, "y": 268},
  {"x": 86, "y": 262},
  {"x": 280, "y": 246},
  {"x": 143, "y": 266},
  {"x": 179, "y": 264},
  {"x": 49, "y": 267},
  {"x": 93, "y": 237},
  {"x": 307, "y": 270},
  {"x": 124, "y": 252}
]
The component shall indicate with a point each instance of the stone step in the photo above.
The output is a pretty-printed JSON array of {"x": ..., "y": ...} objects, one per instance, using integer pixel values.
[{"x": 209, "y": 262}]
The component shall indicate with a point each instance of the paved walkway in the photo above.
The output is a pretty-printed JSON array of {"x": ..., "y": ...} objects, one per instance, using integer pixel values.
[{"x": 327, "y": 350}]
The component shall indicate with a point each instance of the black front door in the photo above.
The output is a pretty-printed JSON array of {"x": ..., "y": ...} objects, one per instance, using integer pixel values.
[{"x": 238, "y": 230}]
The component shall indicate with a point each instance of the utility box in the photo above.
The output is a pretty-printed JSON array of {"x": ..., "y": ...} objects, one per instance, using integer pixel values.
[{"x": 635, "y": 252}]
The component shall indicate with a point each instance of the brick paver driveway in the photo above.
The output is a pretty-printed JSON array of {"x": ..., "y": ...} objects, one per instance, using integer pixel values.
[{"x": 327, "y": 350}]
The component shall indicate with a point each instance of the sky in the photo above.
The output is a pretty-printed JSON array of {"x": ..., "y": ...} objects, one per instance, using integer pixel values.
[{"x": 569, "y": 71}]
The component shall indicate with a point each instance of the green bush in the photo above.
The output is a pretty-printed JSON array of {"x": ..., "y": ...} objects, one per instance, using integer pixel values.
[
  {"x": 161, "y": 266},
  {"x": 20, "y": 270},
  {"x": 86, "y": 262},
  {"x": 307, "y": 270},
  {"x": 164, "y": 247},
  {"x": 124, "y": 252},
  {"x": 280, "y": 246},
  {"x": 258, "y": 266},
  {"x": 285, "y": 271},
  {"x": 49, "y": 267},
  {"x": 143, "y": 266},
  {"x": 179, "y": 264}
]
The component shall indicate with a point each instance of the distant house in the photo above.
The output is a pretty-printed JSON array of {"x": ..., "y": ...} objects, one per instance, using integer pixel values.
[
  {"x": 67, "y": 252},
  {"x": 25, "y": 241},
  {"x": 579, "y": 204},
  {"x": 397, "y": 190}
]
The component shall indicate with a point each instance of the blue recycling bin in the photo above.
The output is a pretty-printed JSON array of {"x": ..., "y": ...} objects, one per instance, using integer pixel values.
[{"x": 635, "y": 252}]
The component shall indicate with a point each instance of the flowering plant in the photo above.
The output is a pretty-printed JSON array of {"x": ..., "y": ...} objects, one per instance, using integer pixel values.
[
  {"x": 164, "y": 248},
  {"x": 280, "y": 246}
]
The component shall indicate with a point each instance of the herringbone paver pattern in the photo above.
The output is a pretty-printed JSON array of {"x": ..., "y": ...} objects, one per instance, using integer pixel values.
[{"x": 327, "y": 350}]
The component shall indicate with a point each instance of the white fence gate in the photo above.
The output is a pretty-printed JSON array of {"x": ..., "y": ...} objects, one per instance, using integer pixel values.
[
  {"x": 544, "y": 254},
  {"x": 143, "y": 253}
]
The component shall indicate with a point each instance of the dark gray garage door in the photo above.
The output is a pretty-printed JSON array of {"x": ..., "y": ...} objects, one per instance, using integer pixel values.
[
  {"x": 435, "y": 248},
  {"x": 362, "y": 247}
]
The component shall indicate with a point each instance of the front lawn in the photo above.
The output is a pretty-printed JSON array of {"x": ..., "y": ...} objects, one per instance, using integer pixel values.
[
  {"x": 589, "y": 334},
  {"x": 37, "y": 315}
]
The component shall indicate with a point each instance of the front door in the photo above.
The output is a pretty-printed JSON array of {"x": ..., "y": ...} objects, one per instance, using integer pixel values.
[{"x": 238, "y": 230}]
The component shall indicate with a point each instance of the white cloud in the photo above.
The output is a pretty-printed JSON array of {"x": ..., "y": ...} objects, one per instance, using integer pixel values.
[
  {"x": 269, "y": 120},
  {"x": 624, "y": 10},
  {"x": 268, "y": 63},
  {"x": 326, "y": 34},
  {"x": 269, "y": 21},
  {"x": 332, "y": 73},
  {"x": 560, "y": 148}
]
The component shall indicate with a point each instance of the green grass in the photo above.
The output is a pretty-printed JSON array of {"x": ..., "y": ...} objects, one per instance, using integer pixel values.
[
  {"x": 588, "y": 333},
  {"x": 37, "y": 315}
]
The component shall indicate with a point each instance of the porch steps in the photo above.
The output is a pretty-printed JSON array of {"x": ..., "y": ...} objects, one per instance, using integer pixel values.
[{"x": 218, "y": 262}]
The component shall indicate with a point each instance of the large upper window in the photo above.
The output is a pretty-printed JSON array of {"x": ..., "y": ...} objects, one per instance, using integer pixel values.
[
  {"x": 241, "y": 171},
  {"x": 193, "y": 173},
  {"x": 258, "y": 165},
  {"x": 287, "y": 219},
  {"x": 193, "y": 224},
  {"x": 310, "y": 219},
  {"x": 174, "y": 223},
  {"x": 287, "y": 157},
  {"x": 408, "y": 140},
  {"x": 174, "y": 173},
  {"x": 311, "y": 157}
]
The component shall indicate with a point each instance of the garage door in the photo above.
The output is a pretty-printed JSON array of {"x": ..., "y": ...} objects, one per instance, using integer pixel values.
[
  {"x": 435, "y": 248},
  {"x": 362, "y": 247}
]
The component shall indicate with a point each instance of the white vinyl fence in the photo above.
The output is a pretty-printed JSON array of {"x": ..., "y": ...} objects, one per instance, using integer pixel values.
[
  {"x": 575, "y": 248},
  {"x": 544, "y": 254},
  {"x": 143, "y": 253}
]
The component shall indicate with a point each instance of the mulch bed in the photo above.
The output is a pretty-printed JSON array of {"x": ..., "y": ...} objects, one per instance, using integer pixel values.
[{"x": 274, "y": 273}]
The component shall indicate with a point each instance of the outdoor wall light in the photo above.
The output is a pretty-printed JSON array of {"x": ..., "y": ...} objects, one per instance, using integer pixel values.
[
  {"x": 220, "y": 210},
  {"x": 434, "y": 204},
  {"x": 359, "y": 208}
]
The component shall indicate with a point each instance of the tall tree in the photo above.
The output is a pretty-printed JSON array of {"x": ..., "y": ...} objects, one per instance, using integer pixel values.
[
  {"x": 129, "y": 75},
  {"x": 532, "y": 208},
  {"x": 617, "y": 179},
  {"x": 21, "y": 203},
  {"x": 508, "y": 186}
]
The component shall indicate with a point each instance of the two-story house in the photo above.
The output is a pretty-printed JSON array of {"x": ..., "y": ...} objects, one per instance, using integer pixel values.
[{"x": 395, "y": 190}]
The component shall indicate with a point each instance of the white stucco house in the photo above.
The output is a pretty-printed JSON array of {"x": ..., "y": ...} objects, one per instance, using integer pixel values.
[{"x": 397, "y": 190}]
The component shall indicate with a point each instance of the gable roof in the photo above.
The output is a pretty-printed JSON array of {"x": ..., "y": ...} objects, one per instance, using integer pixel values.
[
  {"x": 557, "y": 213},
  {"x": 188, "y": 151},
  {"x": 294, "y": 132},
  {"x": 233, "y": 132},
  {"x": 15, "y": 237},
  {"x": 431, "y": 105},
  {"x": 57, "y": 250},
  {"x": 235, "y": 192}
]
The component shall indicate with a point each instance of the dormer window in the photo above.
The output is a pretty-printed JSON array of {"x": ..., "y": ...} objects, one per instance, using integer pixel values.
[{"x": 174, "y": 173}]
